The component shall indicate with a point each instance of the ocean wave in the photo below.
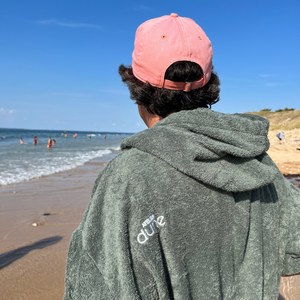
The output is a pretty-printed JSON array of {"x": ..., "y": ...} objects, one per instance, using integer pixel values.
[
  {"x": 44, "y": 168},
  {"x": 115, "y": 148}
]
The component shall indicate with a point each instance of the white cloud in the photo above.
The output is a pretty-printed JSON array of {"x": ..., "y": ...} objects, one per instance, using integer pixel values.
[
  {"x": 7, "y": 115},
  {"x": 7, "y": 112},
  {"x": 138, "y": 124},
  {"x": 113, "y": 124},
  {"x": 66, "y": 24}
]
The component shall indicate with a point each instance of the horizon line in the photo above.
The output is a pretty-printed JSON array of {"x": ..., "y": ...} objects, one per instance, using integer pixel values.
[{"x": 62, "y": 130}]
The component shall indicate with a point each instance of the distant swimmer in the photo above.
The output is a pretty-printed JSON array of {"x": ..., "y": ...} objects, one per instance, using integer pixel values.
[
  {"x": 53, "y": 142},
  {"x": 49, "y": 143},
  {"x": 66, "y": 135},
  {"x": 62, "y": 133},
  {"x": 75, "y": 135},
  {"x": 90, "y": 136},
  {"x": 21, "y": 141},
  {"x": 35, "y": 139},
  {"x": 104, "y": 136}
]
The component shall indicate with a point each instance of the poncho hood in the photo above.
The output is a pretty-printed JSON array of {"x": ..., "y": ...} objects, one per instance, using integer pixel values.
[{"x": 222, "y": 150}]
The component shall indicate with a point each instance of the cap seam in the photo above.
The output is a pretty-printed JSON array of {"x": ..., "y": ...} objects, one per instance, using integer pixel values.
[
  {"x": 184, "y": 36},
  {"x": 162, "y": 76},
  {"x": 148, "y": 32}
]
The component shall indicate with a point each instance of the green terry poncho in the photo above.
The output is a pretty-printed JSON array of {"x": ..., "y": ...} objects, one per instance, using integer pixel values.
[{"x": 192, "y": 208}]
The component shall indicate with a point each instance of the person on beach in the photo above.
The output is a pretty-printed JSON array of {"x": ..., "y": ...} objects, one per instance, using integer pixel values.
[
  {"x": 21, "y": 141},
  {"x": 280, "y": 136},
  {"x": 193, "y": 207}
]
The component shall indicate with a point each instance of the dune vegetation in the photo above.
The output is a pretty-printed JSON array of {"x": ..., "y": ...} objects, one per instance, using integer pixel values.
[{"x": 281, "y": 119}]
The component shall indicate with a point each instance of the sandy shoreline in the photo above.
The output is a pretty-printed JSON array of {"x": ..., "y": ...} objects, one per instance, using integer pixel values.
[
  {"x": 56, "y": 204},
  {"x": 63, "y": 197}
]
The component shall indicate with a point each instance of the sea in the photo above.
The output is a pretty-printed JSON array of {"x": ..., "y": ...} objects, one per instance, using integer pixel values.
[{"x": 23, "y": 162}]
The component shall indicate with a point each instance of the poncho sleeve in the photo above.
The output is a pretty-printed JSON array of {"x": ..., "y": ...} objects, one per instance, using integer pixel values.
[
  {"x": 83, "y": 279},
  {"x": 292, "y": 251},
  {"x": 103, "y": 259}
]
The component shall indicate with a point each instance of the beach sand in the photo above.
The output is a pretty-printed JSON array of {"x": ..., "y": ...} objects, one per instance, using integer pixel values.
[
  {"x": 55, "y": 204},
  {"x": 39, "y": 272},
  {"x": 286, "y": 157}
]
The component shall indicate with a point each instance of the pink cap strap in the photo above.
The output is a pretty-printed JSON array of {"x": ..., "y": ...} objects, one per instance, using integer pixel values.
[{"x": 183, "y": 86}]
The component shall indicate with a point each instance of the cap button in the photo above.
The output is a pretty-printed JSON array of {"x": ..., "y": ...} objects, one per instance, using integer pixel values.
[{"x": 174, "y": 15}]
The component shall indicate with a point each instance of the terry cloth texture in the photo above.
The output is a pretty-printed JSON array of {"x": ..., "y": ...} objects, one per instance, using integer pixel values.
[{"x": 193, "y": 208}]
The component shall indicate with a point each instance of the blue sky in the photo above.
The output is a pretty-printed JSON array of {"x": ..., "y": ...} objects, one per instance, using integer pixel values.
[{"x": 59, "y": 59}]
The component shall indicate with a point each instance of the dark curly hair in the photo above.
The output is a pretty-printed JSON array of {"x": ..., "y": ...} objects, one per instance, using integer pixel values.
[{"x": 162, "y": 101}]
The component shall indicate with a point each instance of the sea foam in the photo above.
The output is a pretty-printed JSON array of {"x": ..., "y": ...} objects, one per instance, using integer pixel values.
[{"x": 43, "y": 167}]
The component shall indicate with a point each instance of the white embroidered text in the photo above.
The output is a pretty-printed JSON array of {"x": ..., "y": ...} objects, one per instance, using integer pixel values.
[{"x": 149, "y": 228}]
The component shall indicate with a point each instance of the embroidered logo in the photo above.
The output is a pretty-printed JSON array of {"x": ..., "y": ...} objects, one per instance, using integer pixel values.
[{"x": 149, "y": 228}]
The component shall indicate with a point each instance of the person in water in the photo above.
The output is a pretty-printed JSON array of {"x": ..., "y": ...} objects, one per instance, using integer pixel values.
[
  {"x": 21, "y": 141},
  {"x": 49, "y": 143},
  {"x": 35, "y": 140},
  {"x": 53, "y": 142},
  {"x": 193, "y": 207}
]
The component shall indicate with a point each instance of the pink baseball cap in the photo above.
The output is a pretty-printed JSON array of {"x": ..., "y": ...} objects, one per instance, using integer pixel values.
[{"x": 163, "y": 41}]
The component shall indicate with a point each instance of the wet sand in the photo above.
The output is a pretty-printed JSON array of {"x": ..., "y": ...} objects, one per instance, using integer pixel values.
[
  {"x": 55, "y": 204},
  {"x": 33, "y": 258}
]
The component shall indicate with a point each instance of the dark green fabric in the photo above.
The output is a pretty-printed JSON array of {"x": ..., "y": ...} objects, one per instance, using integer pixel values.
[{"x": 223, "y": 222}]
